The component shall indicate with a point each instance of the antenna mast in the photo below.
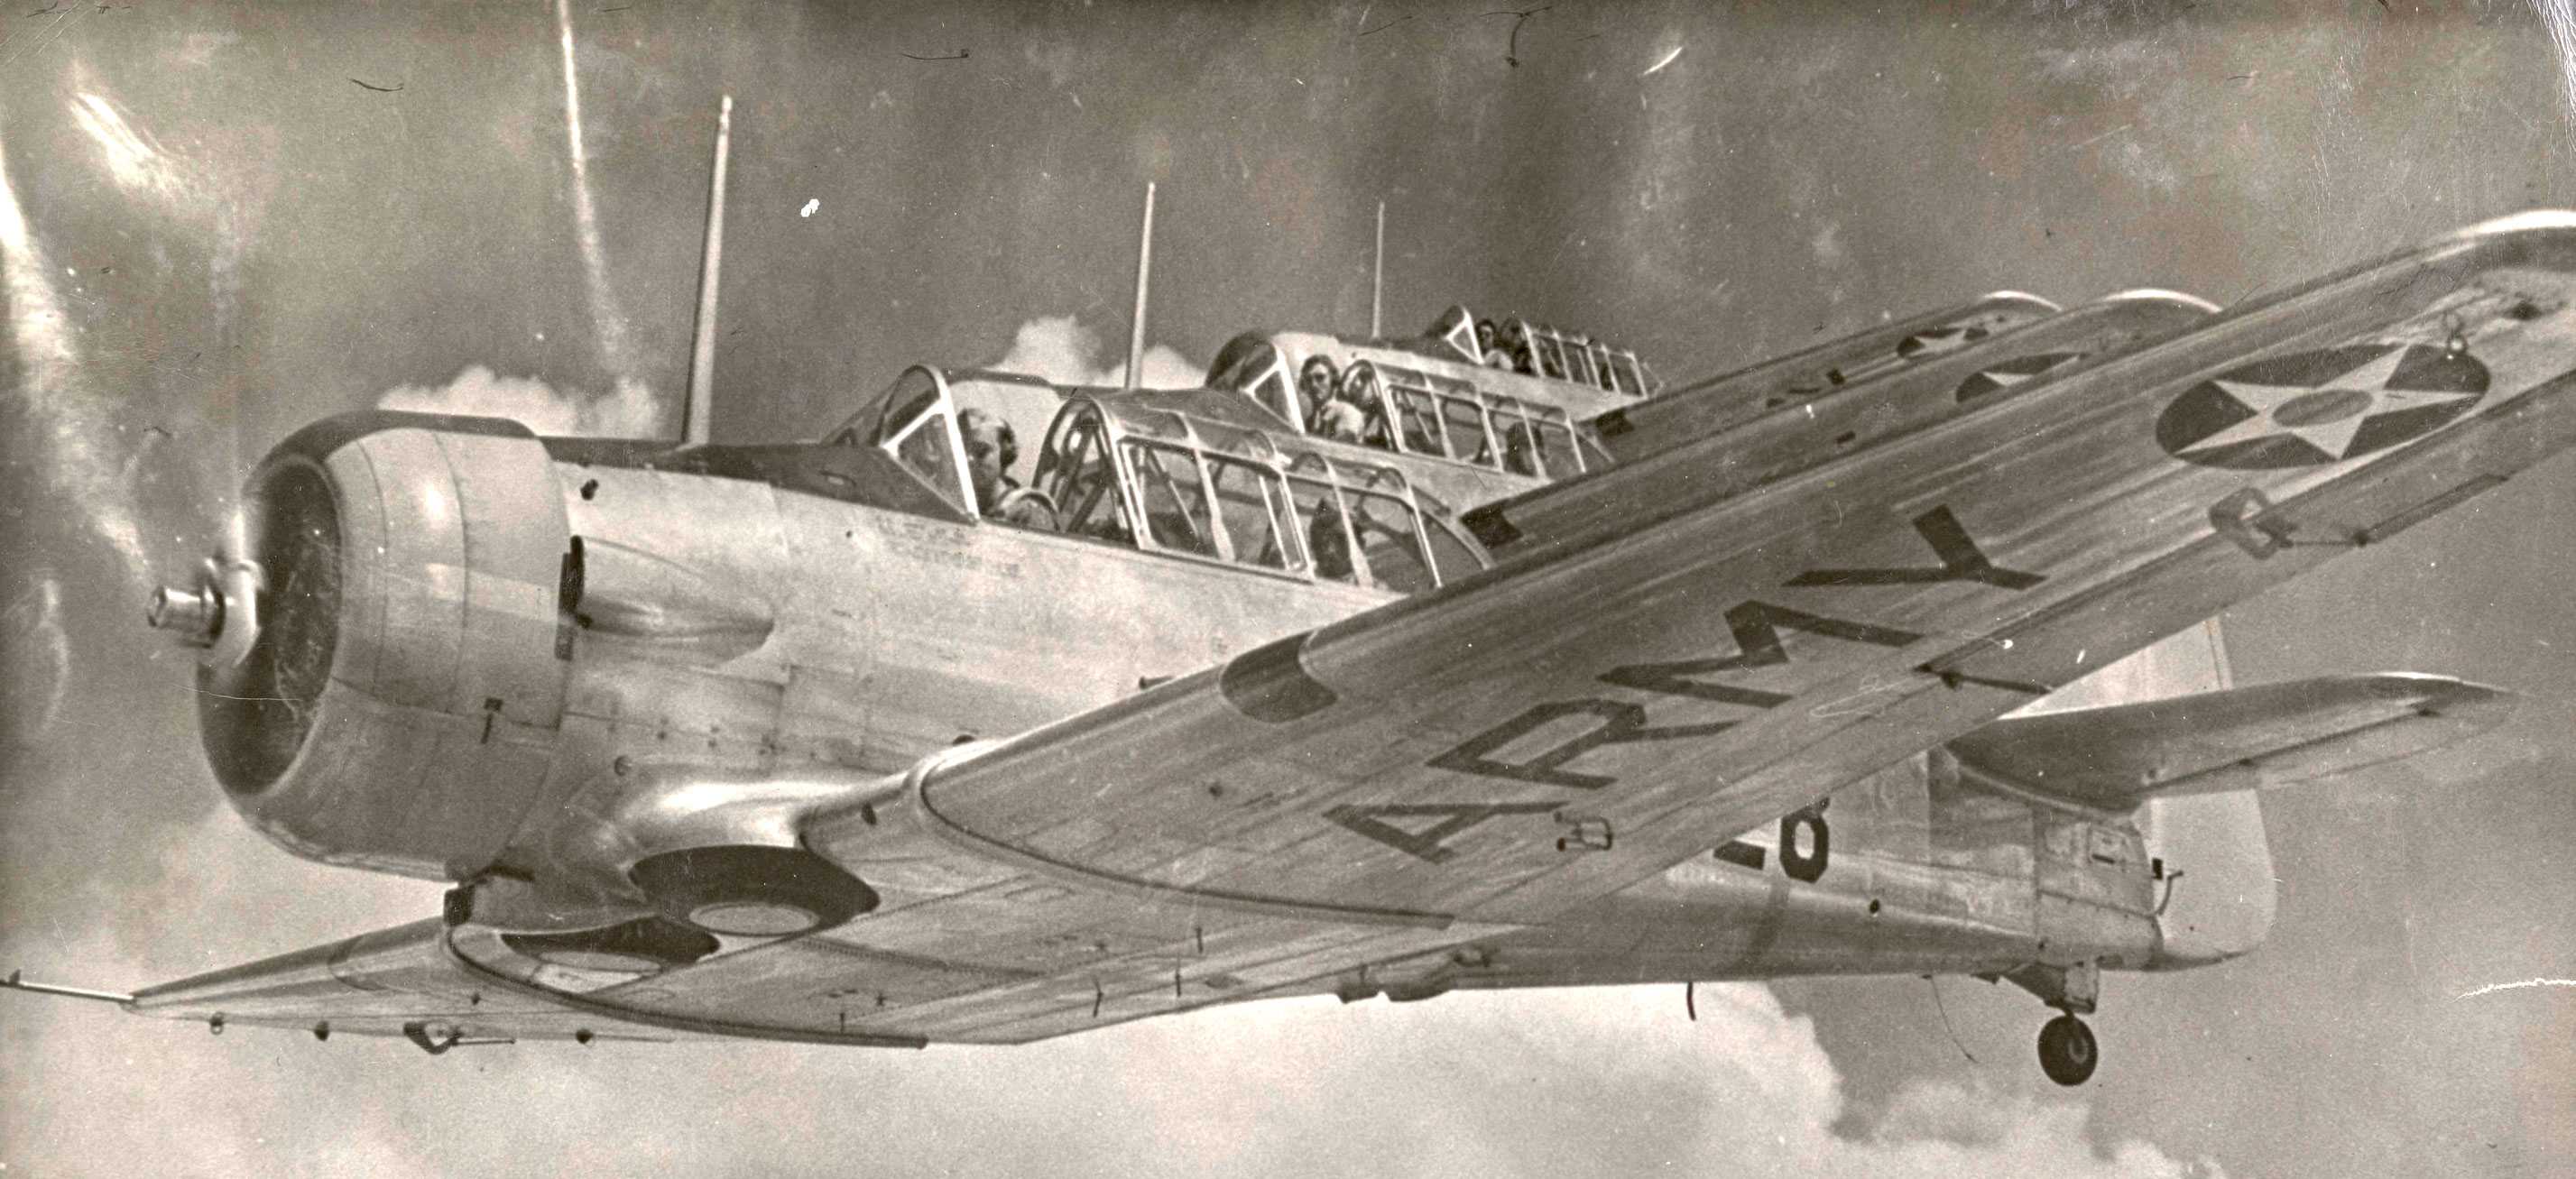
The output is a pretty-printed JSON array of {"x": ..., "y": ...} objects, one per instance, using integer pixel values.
[
  {"x": 698, "y": 416},
  {"x": 1144, "y": 271},
  {"x": 1377, "y": 276}
]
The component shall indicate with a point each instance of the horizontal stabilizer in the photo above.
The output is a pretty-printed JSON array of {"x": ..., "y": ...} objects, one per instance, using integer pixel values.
[{"x": 2273, "y": 735}]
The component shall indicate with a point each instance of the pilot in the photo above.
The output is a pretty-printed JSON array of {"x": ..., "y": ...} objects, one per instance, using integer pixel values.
[
  {"x": 1365, "y": 420},
  {"x": 1493, "y": 353},
  {"x": 1340, "y": 421},
  {"x": 1334, "y": 415},
  {"x": 1516, "y": 349},
  {"x": 991, "y": 449},
  {"x": 1315, "y": 388},
  {"x": 1329, "y": 543}
]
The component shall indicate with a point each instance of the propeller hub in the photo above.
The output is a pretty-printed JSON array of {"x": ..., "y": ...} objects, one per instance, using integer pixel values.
[{"x": 196, "y": 616}]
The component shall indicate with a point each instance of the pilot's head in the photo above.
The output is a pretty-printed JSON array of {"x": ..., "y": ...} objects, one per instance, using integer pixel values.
[
  {"x": 1355, "y": 386},
  {"x": 1485, "y": 334},
  {"x": 991, "y": 448},
  {"x": 1315, "y": 381}
]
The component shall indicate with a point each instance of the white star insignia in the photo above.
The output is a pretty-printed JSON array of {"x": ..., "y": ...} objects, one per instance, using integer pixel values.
[{"x": 2333, "y": 436}]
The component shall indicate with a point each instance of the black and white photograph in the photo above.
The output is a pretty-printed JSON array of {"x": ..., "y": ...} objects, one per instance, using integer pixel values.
[{"x": 1364, "y": 588}]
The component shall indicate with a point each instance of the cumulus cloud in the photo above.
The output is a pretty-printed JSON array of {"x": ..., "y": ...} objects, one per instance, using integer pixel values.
[
  {"x": 1495, "y": 1084},
  {"x": 1059, "y": 348},
  {"x": 631, "y": 411}
]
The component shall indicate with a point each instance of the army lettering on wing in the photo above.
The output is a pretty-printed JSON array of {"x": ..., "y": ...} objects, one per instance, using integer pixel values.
[{"x": 1756, "y": 627}]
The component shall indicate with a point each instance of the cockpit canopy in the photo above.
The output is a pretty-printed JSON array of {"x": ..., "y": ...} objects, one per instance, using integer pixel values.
[
  {"x": 1544, "y": 351},
  {"x": 1413, "y": 411},
  {"x": 1136, "y": 469}
]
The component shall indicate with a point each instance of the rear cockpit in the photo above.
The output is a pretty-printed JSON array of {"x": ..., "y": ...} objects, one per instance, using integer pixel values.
[
  {"x": 1405, "y": 409},
  {"x": 1517, "y": 345},
  {"x": 1147, "y": 470}
]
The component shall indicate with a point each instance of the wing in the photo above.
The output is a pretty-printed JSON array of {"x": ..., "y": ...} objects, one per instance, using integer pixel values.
[
  {"x": 962, "y": 968},
  {"x": 1626, "y": 695},
  {"x": 2273, "y": 735}
]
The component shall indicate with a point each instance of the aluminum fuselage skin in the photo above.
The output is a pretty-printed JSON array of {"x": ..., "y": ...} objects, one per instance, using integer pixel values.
[{"x": 899, "y": 636}]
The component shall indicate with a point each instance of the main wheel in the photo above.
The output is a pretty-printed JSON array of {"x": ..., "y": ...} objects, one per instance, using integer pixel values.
[
  {"x": 743, "y": 891},
  {"x": 646, "y": 945},
  {"x": 2066, "y": 1050}
]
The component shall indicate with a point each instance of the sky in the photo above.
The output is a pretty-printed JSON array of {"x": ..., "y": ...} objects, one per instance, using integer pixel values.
[{"x": 219, "y": 223}]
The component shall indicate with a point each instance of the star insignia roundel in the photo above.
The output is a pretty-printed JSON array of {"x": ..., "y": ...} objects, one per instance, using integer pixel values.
[{"x": 2326, "y": 406}]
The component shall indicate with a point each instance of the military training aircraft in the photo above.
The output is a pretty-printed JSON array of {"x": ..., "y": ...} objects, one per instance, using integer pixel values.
[{"x": 1886, "y": 657}]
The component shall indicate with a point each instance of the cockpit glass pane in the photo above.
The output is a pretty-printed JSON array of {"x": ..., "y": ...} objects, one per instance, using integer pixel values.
[
  {"x": 1391, "y": 545},
  {"x": 1241, "y": 362},
  {"x": 1454, "y": 559},
  {"x": 1255, "y": 370},
  {"x": 1521, "y": 448},
  {"x": 916, "y": 429},
  {"x": 1417, "y": 418},
  {"x": 1556, "y": 450},
  {"x": 924, "y": 448},
  {"x": 1624, "y": 376},
  {"x": 1601, "y": 365},
  {"x": 1551, "y": 360},
  {"x": 1076, "y": 474},
  {"x": 1328, "y": 531},
  {"x": 1273, "y": 393},
  {"x": 1253, "y": 506},
  {"x": 1465, "y": 419},
  {"x": 1578, "y": 364},
  {"x": 1174, "y": 503}
]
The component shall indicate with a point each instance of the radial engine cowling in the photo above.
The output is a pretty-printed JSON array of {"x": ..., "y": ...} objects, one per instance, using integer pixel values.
[{"x": 398, "y": 703}]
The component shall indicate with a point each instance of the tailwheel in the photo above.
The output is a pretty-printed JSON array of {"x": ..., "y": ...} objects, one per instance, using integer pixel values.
[
  {"x": 2066, "y": 1050},
  {"x": 750, "y": 891}
]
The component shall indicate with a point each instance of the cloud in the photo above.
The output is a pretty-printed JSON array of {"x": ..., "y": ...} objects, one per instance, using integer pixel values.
[
  {"x": 629, "y": 412},
  {"x": 1495, "y": 1084},
  {"x": 35, "y": 660},
  {"x": 1060, "y": 349},
  {"x": 71, "y": 433}
]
